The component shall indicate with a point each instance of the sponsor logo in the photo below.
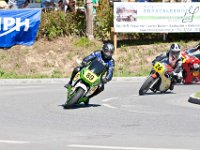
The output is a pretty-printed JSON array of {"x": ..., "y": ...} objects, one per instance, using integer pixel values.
[{"x": 13, "y": 24}]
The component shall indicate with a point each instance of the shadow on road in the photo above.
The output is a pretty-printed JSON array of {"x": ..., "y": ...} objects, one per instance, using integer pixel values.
[
  {"x": 78, "y": 106},
  {"x": 197, "y": 83},
  {"x": 158, "y": 93}
]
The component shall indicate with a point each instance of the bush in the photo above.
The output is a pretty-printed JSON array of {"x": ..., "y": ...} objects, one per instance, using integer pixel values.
[
  {"x": 103, "y": 21},
  {"x": 58, "y": 23}
]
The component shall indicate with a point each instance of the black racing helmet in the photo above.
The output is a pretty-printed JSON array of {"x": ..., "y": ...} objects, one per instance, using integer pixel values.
[{"x": 107, "y": 50}]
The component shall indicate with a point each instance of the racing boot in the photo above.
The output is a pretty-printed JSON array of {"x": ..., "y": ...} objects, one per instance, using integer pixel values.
[
  {"x": 172, "y": 85},
  {"x": 85, "y": 100},
  {"x": 68, "y": 84}
]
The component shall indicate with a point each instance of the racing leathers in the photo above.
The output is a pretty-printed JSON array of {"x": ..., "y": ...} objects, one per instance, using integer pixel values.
[
  {"x": 193, "y": 50},
  {"x": 175, "y": 64},
  {"x": 110, "y": 63}
]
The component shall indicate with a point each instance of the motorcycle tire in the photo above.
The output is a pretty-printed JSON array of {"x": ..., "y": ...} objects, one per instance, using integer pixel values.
[
  {"x": 77, "y": 95},
  {"x": 146, "y": 85}
]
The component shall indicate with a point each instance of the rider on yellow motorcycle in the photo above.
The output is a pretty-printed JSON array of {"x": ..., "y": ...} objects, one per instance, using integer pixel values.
[{"x": 174, "y": 58}]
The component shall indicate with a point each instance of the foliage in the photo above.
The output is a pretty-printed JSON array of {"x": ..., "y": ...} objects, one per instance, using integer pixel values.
[
  {"x": 37, "y": 1},
  {"x": 13, "y": 75},
  {"x": 7, "y": 75},
  {"x": 83, "y": 42},
  {"x": 103, "y": 21},
  {"x": 57, "y": 23},
  {"x": 56, "y": 74}
]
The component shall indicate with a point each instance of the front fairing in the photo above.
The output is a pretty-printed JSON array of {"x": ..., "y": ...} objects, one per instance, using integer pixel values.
[
  {"x": 97, "y": 66},
  {"x": 93, "y": 72},
  {"x": 190, "y": 66},
  {"x": 90, "y": 76},
  {"x": 161, "y": 68}
]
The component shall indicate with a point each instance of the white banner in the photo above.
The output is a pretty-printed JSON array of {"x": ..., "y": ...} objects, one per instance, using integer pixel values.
[{"x": 156, "y": 17}]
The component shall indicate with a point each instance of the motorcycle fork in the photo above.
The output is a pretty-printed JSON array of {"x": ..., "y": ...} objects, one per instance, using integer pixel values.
[
  {"x": 69, "y": 91},
  {"x": 154, "y": 82}
]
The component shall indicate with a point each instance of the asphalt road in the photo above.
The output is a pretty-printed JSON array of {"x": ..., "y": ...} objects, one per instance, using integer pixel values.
[{"x": 31, "y": 118}]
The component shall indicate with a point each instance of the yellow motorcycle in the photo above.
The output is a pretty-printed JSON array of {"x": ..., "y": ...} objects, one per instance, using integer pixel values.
[{"x": 159, "y": 78}]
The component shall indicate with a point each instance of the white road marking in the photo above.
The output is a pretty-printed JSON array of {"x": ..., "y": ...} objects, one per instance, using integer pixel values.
[
  {"x": 14, "y": 142},
  {"x": 109, "y": 99},
  {"x": 109, "y": 106},
  {"x": 121, "y": 148}
]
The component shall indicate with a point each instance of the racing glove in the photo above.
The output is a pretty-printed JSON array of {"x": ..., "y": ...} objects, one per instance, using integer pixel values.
[
  {"x": 104, "y": 81},
  {"x": 153, "y": 62},
  {"x": 171, "y": 73},
  {"x": 84, "y": 63}
]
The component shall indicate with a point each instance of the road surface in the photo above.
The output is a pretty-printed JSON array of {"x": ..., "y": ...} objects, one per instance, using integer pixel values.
[{"x": 32, "y": 118}]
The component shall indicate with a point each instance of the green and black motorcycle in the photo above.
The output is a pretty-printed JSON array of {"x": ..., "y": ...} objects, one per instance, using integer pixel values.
[{"x": 85, "y": 83}]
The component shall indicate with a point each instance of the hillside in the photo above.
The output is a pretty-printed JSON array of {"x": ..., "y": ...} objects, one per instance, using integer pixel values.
[{"x": 57, "y": 58}]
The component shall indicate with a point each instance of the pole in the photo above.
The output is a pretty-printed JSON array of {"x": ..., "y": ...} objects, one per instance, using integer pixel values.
[{"x": 89, "y": 19}]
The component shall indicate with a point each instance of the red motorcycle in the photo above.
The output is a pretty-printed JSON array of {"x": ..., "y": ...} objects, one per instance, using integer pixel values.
[{"x": 191, "y": 66}]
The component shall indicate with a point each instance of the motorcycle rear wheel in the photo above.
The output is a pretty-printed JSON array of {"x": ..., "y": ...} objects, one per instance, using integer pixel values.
[
  {"x": 146, "y": 85},
  {"x": 74, "y": 99}
]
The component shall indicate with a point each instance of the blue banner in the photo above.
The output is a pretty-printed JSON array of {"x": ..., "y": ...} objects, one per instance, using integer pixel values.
[{"x": 19, "y": 26}]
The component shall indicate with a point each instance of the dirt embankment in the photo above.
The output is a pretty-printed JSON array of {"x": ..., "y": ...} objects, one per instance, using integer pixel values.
[{"x": 57, "y": 58}]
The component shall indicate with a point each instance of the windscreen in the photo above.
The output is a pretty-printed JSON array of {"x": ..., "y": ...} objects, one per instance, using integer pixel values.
[{"x": 97, "y": 67}]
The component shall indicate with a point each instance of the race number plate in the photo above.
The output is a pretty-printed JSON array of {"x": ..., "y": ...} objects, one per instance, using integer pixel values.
[
  {"x": 158, "y": 67},
  {"x": 183, "y": 59},
  {"x": 77, "y": 76},
  {"x": 90, "y": 76}
]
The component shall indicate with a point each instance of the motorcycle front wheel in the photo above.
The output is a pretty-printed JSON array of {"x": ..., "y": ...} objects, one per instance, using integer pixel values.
[
  {"x": 74, "y": 99},
  {"x": 146, "y": 85}
]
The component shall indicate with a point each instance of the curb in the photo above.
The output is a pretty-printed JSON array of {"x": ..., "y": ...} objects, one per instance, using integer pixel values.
[
  {"x": 62, "y": 80},
  {"x": 194, "y": 99},
  {"x": 31, "y": 81}
]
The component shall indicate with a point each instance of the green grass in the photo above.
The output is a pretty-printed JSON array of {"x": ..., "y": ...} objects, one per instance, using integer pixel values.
[
  {"x": 16, "y": 76},
  {"x": 83, "y": 42},
  {"x": 13, "y": 75},
  {"x": 128, "y": 63},
  {"x": 56, "y": 74},
  {"x": 38, "y": 1}
]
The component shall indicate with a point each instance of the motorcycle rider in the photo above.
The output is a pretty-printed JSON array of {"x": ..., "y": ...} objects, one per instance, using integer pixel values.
[
  {"x": 194, "y": 49},
  {"x": 104, "y": 54},
  {"x": 173, "y": 56}
]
